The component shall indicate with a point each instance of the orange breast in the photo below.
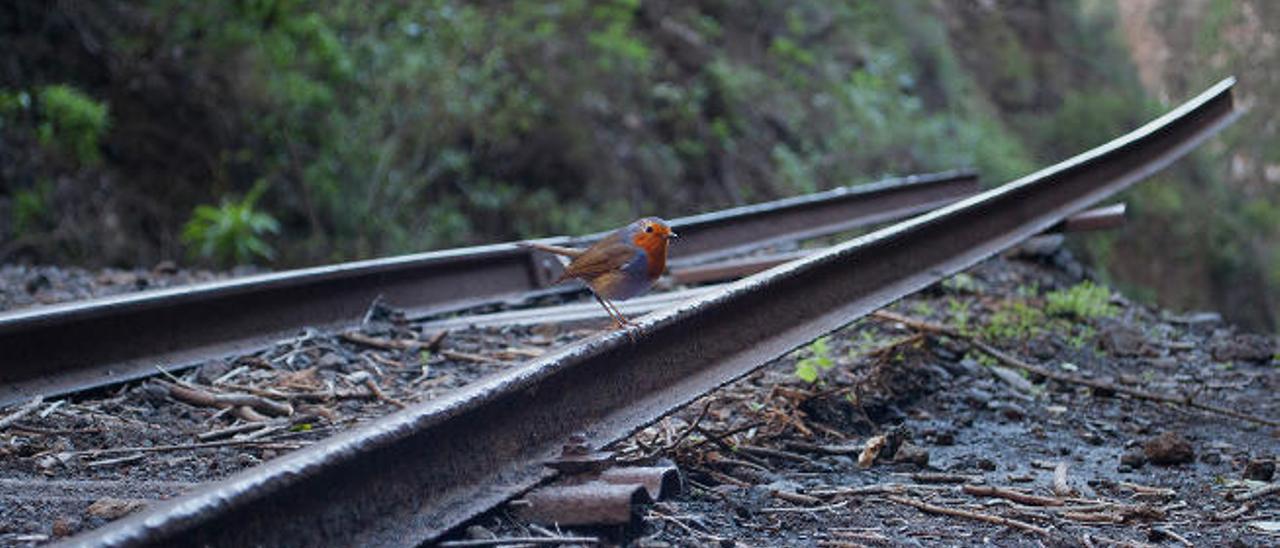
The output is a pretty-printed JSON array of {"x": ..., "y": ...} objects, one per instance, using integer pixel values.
[{"x": 656, "y": 247}]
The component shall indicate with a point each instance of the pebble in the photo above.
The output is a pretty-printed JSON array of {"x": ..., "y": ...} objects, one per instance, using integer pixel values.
[
  {"x": 1133, "y": 458},
  {"x": 1260, "y": 470},
  {"x": 113, "y": 508},
  {"x": 65, "y": 526},
  {"x": 913, "y": 454},
  {"x": 1168, "y": 448}
]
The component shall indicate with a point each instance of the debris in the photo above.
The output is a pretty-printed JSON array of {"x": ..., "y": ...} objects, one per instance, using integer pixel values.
[
  {"x": 871, "y": 450},
  {"x": 23, "y": 411},
  {"x": 979, "y": 516}
]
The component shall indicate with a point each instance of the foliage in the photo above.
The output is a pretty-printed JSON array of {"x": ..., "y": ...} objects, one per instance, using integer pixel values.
[
  {"x": 1084, "y": 300},
  {"x": 808, "y": 369},
  {"x": 72, "y": 122},
  {"x": 233, "y": 232}
]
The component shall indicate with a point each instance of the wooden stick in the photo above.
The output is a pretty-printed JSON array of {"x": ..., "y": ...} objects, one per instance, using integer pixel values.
[
  {"x": 1010, "y": 494},
  {"x": 195, "y": 396},
  {"x": 520, "y": 540},
  {"x": 1073, "y": 379},
  {"x": 1060, "y": 485},
  {"x": 977, "y": 516},
  {"x": 1258, "y": 493},
  {"x": 21, "y": 412}
]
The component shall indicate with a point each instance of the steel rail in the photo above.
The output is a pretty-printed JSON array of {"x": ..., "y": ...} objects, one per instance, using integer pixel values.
[
  {"x": 64, "y": 348},
  {"x": 411, "y": 476}
]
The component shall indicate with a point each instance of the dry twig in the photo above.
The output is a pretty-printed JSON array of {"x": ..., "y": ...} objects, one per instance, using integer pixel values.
[
  {"x": 1010, "y": 494},
  {"x": 977, "y": 516},
  {"x": 21, "y": 412},
  {"x": 1264, "y": 491}
]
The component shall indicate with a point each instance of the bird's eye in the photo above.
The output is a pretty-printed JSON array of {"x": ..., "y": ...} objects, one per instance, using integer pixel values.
[{"x": 648, "y": 228}]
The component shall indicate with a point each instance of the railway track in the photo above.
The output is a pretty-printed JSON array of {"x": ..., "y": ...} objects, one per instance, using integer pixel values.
[
  {"x": 127, "y": 337},
  {"x": 413, "y": 475}
]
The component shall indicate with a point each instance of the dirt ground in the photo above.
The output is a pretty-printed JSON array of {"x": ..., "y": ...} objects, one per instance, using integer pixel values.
[{"x": 774, "y": 459}]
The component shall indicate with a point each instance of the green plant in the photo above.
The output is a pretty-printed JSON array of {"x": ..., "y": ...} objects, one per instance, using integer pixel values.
[
  {"x": 1014, "y": 320},
  {"x": 808, "y": 369},
  {"x": 958, "y": 312},
  {"x": 31, "y": 207},
  {"x": 72, "y": 122},
  {"x": 1084, "y": 300},
  {"x": 232, "y": 232}
]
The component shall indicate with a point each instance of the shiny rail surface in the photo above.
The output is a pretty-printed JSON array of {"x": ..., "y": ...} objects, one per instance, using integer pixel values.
[
  {"x": 411, "y": 476},
  {"x": 64, "y": 348}
]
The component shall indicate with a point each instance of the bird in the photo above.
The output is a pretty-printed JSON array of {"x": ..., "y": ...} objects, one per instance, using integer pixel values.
[{"x": 621, "y": 265}]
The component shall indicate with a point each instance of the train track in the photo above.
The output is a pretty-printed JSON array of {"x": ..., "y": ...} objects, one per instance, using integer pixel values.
[
  {"x": 411, "y": 476},
  {"x": 127, "y": 337}
]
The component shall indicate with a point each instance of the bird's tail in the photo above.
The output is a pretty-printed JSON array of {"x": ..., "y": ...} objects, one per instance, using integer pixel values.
[{"x": 565, "y": 251}]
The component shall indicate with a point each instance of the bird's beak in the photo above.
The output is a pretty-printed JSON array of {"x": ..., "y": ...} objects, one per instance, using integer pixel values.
[{"x": 673, "y": 236}]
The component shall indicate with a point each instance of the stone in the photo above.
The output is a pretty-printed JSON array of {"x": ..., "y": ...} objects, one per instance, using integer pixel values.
[{"x": 1167, "y": 449}]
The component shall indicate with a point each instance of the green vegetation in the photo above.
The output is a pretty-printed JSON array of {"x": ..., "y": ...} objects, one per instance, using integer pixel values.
[
  {"x": 1085, "y": 301},
  {"x": 810, "y": 368},
  {"x": 1014, "y": 320},
  {"x": 72, "y": 122},
  {"x": 233, "y": 232}
]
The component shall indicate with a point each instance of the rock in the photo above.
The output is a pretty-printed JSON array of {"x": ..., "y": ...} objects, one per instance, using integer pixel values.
[
  {"x": 1010, "y": 411},
  {"x": 1249, "y": 348},
  {"x": 64, "y": 527},
  {"x": 477, "y": 532},
  {"x": 944, "y": 438},
  {"x": 987, "y": 464},
  {"x": 1167, "y": 449},
  {"x": 331, "y": 360},
  {"x": 112, "y": 508},
  {"x": 1133, "y": 458},
  {"x": 1260, "y": 470},
  {"x": 1043, "y": 346},
  {"x": 1123, "y": 340},
  {"x": 978, "y": 397},
  {"x": 212, "y": 371},
  {"x": 165, "y": 267},
  {"x": 909, "y": 453}
]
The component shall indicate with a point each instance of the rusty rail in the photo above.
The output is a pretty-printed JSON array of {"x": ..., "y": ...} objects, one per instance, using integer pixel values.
[
  {"x": 64, "y": 348},
  {"x": 411, "y": 476}
]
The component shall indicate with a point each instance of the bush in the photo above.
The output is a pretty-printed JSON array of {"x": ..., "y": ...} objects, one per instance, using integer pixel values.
[
  {"x": 233, "y": 232},
  {"x": 72, "y": 122}
]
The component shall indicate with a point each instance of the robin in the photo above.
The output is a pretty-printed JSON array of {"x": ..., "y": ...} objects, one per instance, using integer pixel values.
[{"x": 622, "y": 265}]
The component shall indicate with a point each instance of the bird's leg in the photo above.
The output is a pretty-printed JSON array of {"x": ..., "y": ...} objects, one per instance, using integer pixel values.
[
  {"x": 619, "y": 320},
  {"x": 605, "y": 304},
  {"x": 622, "y": 320}
]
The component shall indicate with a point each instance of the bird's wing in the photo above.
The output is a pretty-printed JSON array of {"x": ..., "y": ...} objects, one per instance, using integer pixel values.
[
  {"x": 566, "y": 251},
  {"x": 606, "y": 255}
]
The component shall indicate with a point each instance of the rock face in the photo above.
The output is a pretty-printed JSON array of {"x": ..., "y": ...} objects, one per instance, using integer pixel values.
[{"x": 1168, "y": 449}]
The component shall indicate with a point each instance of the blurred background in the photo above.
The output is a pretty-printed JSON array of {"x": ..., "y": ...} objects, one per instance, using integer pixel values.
[{"x": 289, "y": 133}]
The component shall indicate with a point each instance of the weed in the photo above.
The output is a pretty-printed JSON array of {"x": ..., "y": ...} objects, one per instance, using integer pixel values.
[
  {"x": 1085, "y": 300},
  {"x": 819, "y": 360},
  {"x": 232, "y": 232},
  {"x": 1014, "y": 320}
]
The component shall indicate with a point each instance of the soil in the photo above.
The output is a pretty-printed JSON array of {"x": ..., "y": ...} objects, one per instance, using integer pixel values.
[{"x": 774, "y": 459}]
